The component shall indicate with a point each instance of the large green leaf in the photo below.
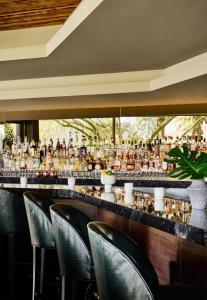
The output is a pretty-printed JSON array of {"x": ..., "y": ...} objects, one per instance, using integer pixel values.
[{"x": 190, "y": 164}]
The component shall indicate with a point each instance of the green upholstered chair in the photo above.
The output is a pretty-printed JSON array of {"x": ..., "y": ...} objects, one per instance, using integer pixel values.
[
  {"x": 122, "y": 270},
  {"x": 13, "y": 222},
  {"x": 41, "y": 232},
  {"x": 71, "y": 236}
]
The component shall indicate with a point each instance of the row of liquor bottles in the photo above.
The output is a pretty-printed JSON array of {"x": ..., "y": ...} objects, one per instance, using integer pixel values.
[
  {"x": 128, "y": 156},
  {"x": 74, "y": 147}
]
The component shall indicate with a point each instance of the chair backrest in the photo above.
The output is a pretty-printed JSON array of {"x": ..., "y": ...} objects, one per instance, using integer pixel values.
[
  {"x": 71, "y": 236},
  {"x": 122, "y": 270},
  {"x": 38, "y": 215},
  {"x": 12, "y": 213}
]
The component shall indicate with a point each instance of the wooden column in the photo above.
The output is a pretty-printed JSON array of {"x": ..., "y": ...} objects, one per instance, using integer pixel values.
[
  {"x": 114, "y": 130},
  {"x": 29, "y": 129}
]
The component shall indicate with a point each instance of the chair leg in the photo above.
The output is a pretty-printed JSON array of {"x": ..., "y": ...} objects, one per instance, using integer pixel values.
[
  {"x": 74, "y": 289},
  {"x": 91, "y": 291},
  {"x": 63, "y": 288},
  {"x": 11, "y": 265},
  {"x": 42, "y": 268},
  {"x": 33, "y": 272}
]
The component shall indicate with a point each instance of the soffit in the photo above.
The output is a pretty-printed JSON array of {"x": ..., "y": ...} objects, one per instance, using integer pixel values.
[
  {"x": 192, "y": 92},
  {"x": 122, "y": 36}
]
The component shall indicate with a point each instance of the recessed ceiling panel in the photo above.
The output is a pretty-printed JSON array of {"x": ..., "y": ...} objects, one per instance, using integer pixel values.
[
  {"x": 19, "y": 14},
  {"x": 123, "y": 36}
]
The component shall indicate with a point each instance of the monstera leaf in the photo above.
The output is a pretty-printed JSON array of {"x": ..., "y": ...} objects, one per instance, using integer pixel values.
[{"x": 190, "y": 164}]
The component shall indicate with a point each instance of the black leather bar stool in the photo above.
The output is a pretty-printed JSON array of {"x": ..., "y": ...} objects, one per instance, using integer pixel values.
[
  {"x": 70, "y": 227},
  {"x": 13, "y": 222},
  {"x": 123, "y": 272},
  {"x": 41, "y": 232}
]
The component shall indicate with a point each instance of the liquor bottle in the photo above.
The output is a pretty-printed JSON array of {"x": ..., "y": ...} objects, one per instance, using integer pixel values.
[
  {"x": 51, "y": 143},
  {"x": 93, "y": 146},
  {"x": 6, "y": 161},
  {"x": 38, "y": 148},
  {"x": 76, "y": 140},
  {"x": 23, "y": 163},
  {"x": 63, "y": 147},
  {"x": 25, "y": 146},
  {"x": 123, "y": 165},
  {"x": 49, "y": 162},
  {"x": 14, "y": 147},
  {"x": 130, "y": 165},
  {"x": 36, "y": 161},
  {"x": 90, "y": 165},
  {"x": 58, "y": 145},
  {"x": 70, "y": 146},
  {"x": 32, "y": 148},
  {"x": 50, "y": 149},
  {"x": 177, "y": 141},
  {"x": 18, "y": 163},
  {"x": 19, "y": 146},
  {"x": 70, "y": 139},
  {"x": 149, "y": 146},
  {"x": 83, "y": 149},
  {"x": 97, "y": 166},
  {"x": 43, "y": 151},
  {"x": 71, "y": 151},
  {"x": 117, "y": 164},
  {"x": 83, "y": 165}
]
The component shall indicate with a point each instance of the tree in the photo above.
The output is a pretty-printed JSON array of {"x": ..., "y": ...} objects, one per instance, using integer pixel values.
[
  {"x": 127, "y": 128},
  {"x": 192, "y": 124},
  {"x": 162, "y": 123},
  {"x": 9, "y": 135},
  {"x": 101, "y": 128}
]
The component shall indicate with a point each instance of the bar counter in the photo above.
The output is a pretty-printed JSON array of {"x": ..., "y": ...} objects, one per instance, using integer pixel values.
[
  {"x": 138, "y": 181},
  {"x": 175, "y": 218},
  {"x": 176, "y": 248}
]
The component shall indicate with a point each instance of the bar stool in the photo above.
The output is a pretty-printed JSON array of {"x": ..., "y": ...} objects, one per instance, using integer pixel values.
[
  {"x": 123, "y": 271},
  {"x": 75, "y": 261},
  {"x": 41, "y": 232},
  {"x": 13, "y": 222}
]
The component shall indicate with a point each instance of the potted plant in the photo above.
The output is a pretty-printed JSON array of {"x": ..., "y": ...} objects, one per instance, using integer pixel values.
[
  {"x": 108, "y": 178},
  {"x": 190, "y": 165}
]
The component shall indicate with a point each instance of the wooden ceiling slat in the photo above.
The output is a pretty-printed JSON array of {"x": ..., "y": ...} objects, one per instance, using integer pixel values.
[
  {"x": 26, "y": 14},
  {"x": 36, "y": 16},
  {"x": 36, "y": 11},
  {"x": 22, "y": 5}
]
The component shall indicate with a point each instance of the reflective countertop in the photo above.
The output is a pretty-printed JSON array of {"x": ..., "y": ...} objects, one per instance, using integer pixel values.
[
  {"x": 174, "y": 205},
  {"x": 170, "y": 212}
]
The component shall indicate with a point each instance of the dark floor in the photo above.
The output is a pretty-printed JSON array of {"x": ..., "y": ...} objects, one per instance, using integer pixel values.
[
  {"x": 23, "y": 271},
  {"x": 52, "y": 290}
]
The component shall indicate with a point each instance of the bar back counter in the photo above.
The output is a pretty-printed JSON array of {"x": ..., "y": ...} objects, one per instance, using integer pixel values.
[{"x": 174, "y": 238}]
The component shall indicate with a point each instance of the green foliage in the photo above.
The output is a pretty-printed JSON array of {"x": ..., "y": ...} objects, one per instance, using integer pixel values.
[
  {"x": 190, "y": 164},
  {"x": 108, "y": 173},
  {"x": 134, "y": 128},
  {"x": 9, "y": 135}
]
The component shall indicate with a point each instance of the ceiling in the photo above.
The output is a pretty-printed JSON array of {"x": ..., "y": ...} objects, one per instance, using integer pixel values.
[
  {"x": 116, "y": 37},
  {"x": 122, "y": 36},
  {"x": 19, "y": 14}
]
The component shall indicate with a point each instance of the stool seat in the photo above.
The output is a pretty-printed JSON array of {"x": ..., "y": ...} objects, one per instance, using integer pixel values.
[
  {"x": 13, "y": 222},
  {"x": 124, "y": 272},
  {"x": 41, "y": 232},
  {"x": 73, "y": 247}
]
